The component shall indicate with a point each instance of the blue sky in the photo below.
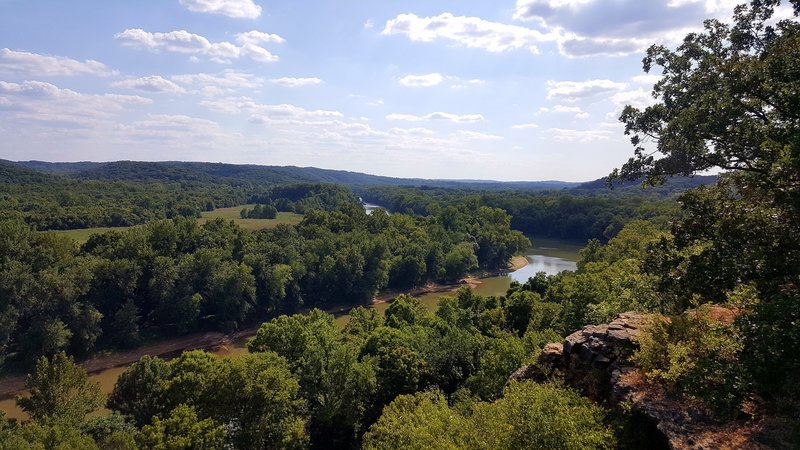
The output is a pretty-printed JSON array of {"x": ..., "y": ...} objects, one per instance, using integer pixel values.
[{"x": 505, "y": 90}]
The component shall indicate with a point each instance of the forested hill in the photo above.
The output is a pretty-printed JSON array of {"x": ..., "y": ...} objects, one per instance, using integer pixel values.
[
  {"x": 250, "y": 173},
  {"x": 237, "y": 173}
]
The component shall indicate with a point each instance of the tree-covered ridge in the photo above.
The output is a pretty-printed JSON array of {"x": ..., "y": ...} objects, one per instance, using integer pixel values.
[
  {"x": 174, "y": 276},
  {"x": 55, "y": 202},
  {"x": 249, "y": 173},
  {"x": 556, "y": 215}
]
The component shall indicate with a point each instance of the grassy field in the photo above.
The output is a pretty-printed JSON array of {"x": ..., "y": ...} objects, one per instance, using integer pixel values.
[
  {"x": 250, "y": 224},
  {"x": 82, "y": 235}
]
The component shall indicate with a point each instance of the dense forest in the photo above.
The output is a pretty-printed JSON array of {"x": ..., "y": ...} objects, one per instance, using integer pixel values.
[
  {"x": 116, "y": 197},
  {"x": 55, "y": 202},
  {"x": 412, "y": 378},
  {"x": 547, "y": 214},
  {"x": 174, "y": 276}
]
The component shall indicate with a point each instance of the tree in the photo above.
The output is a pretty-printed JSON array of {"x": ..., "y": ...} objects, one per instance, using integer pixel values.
[
  {"x": 728, "y": 99},
  {"x": 459, "y": 261},
  {"x": 363, "y": 321},
  {"x": 502, "y": 357},
  {"x": 60, "y": 391},
  {"x": 257, "y": 396},
  {"x": 182, "y": 430},
  {"x": 126, "y": 324},
  {"x": 529, "y": 416},
  {"x": 405, "y": 310},
  {"x": 140, "y": 391}
]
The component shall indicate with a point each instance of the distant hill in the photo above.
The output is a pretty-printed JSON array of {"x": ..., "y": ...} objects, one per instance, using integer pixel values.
[
  {"x": 14, "y": 173},
  {"x": 673, "y": 185},
  {"x": 238, "y": 174}
]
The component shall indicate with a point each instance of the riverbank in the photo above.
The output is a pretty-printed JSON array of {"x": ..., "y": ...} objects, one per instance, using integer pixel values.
[{"x": 211, "y": 341}]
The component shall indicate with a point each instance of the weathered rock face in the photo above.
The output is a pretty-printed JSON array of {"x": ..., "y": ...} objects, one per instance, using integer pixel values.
[
  {"x": 590, "y": 358},
  {"x": 596, "y": 360}
]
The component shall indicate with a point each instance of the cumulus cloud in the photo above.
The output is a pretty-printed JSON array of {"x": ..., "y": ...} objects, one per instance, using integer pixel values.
[
  {"x": 574, "y": 90},
  {"x": 431, "y": 79},
  {"x": 577, "y": 111},
  {"x": 621, "y": 27},
  {"x": 470, "y": 32},
  {"x": 647, "y": 78},
  {"x": 237, "y": 9},
  {"x": 261, "y": 113},
  {"x": 582, "y": 47},
  {"x": 184, "y": 42},
  {"x": 153, "y": 83},
  {"x": 168, "y": 127},
  {"x": 463, "y": 118},
  {"x": 639, "y": 98},
  {"x": 525, "y": 126},
  {"x": 569, "y": 135},
  {"x": 40, "y": 102},
  {"x": 296, "y": 82},
  {"x": 474, "y": 136},
  {"x": 222, "y": 83},
  {"x": 461, "y": 84},
  {"x": 37, "y": 65},
  {"x": 259, "y": 37}
]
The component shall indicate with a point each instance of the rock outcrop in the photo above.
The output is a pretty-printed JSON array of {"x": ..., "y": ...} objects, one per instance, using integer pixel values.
[{"x": 597, "y": 361}]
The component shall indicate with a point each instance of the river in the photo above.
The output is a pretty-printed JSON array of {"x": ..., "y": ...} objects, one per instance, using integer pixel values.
[
  {"x": 369, "y": 207},
  {"x": 548, "y": 255}
]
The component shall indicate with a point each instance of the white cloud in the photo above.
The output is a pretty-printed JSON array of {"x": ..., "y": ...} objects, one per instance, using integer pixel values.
[
  {"x": 574, "y": 90},
  {"x": 259, "y": 37},
  {"x": 296, "y": 82},
  {"x": 180, "y": 129},
  {"x": 568, "y": 135},
  {"x": 36, "y": 65},
  {"x": 621, "y": 27},
  {"x": 648, "y": 78},
  {"x": 40, "y": 102},
  {"x": 577, "y": 111},
  {"x": 431, "y": 79},
  {"x": 462, "y": 84},
  {"x": 580, "y": 47},
  {"x": 238, "y": 9},
  {"x": 261, "y": 113},
  {"x": 525, "y": 126},
  {"x": 471, "y": 32},
  {"x": 465, "y": 118},
  {"x": 184, "y": 42},
  {"x": 225, "y": 82},
  {"x": 474, "y": 136},
  {"x": 153, "y": 83},
  {"x": 639, "y": 98}
]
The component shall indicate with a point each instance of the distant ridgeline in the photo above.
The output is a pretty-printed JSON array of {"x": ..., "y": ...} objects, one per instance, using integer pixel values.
[
  {"x": 589, "y": 210},
  {"x": 90, "y": 194}
]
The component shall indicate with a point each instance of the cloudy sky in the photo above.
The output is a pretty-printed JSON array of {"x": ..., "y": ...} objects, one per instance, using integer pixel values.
[{"x": 505, "y": 90}]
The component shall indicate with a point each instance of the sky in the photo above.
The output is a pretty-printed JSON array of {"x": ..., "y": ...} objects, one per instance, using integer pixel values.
[{"x": 504, "y": 89}]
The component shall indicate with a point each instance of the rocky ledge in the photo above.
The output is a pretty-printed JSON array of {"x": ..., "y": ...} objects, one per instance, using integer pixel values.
[{"x": 596, "y": 360}]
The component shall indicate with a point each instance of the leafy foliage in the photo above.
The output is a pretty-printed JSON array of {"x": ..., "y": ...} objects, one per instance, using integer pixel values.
[
  {"x": 60, "y": 391},
  {"x": 528, "y": 416}
]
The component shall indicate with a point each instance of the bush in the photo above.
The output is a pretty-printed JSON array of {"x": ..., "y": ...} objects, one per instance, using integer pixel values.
[
  {"x": 529, "y": 416},
  {"x": 696, "y": 356}
]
